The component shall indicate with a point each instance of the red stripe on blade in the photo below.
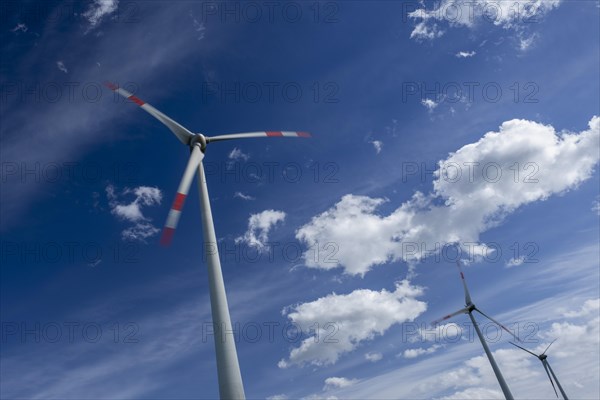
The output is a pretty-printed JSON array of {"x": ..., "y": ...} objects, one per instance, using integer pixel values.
[
  {"x": 136, "y": 100},
  {"x": 167, "y": 236},
  {"x": 111, "y": 86},
  {"x": 274, "y": 133},
  {"x": 178, "y": 202},
  {"x": 304, "y": 134}
]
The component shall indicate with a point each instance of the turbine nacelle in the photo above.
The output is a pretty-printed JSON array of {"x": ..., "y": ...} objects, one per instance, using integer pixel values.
[{"x": 198, "y": 138}]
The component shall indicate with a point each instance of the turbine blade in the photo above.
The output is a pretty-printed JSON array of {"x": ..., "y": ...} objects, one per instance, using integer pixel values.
[
  {"x": 182, "y": 133},
  {"x": 461, "y": 311},
  {"x": 184, "y": 187},
  {"x": 498, "y": 323},
  {"x": 548, "y": 346},
  {"x": 258, "y": 134},
  {"x": 523, "y": 348},
  {"x": 548, "y": 373},
  {"x": 464, "y": 282}
]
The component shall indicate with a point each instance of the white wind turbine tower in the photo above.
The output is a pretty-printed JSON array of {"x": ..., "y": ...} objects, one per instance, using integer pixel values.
[
  {"x": 228, "y": 369},
  {"x": 543, "y": 358},
  {"x": 469, "y": 308}
]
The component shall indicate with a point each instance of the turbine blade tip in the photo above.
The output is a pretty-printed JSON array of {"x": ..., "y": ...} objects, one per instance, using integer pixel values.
[
  {"x": 111, "y": 85},
  {"x": 167, "y": 236}
]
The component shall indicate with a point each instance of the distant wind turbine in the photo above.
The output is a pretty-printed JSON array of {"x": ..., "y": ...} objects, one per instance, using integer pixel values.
[
  {"x": 228, "y": 369},
  {"x": 543, "y": 358},
  {"x": 469, "y": 308}
]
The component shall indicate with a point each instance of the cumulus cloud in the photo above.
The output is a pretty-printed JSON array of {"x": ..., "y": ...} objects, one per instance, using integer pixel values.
[
  {"x": 98, "y": 10},
  {"x": 419, "y": 351},
  {"x": 474, "y": 394},
  {"x": 514, "y": 262},
  {"x": 471, "y": 13},
  {"x": 377, "y": 145},
  {"x": 345, "y": 321},
  {"x": 278, "y": 397},
  {"x": 338, "y": 382},
  {"x": 237, "y": 155},
  {"x": 61, "y": 66},
  {"x": 474, "y": 189},
  {"x": 424, "y": 31},
  {"x": 465, "y": 54},
  {"x": 373, "y": 357},
  {"x": 429, "y": 104},
  {"x": 259, "y": 226},
  {"x": 143, "y": 196},
  {"x": 588, "y": 307}
]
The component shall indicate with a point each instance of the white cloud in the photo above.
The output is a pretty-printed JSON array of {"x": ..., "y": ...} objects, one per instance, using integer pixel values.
[
  {"x": 237, "y": 155},
  {"x": 450, "y": 332},
  {"x": 514, "y": 262},
  {"x": 378, "y": 145},
  {"x": 144, "y": 196},
  {"x": 20, "y": 27},
  {"x": 139, "y": 232},
  {"x": 61, "y": 66},
  {"x": 429, "y": 104},
  {"x": 345, "y": 321},
  {"x": 474, "y": 189},
  {"x": 589, "y": 306},
  {"x": 472, "y": 13},
  {"x": 259, "y": 226},
  {"x": 419, "y": 351},
  {"x": 373, "y": 357},
  {"x": 461, "y": 369},
  {"x": 475, "y": 394},
  {"x": 278, "y": 397},
  {"x": 338, "y": 382},
  {"x": 525, "y": 42},
  {"x": 243, "y": 196},
  {"x": 465, "y": 54},
  {"x": 423, "y": 31},
  {"x": 98, "y": 10}
]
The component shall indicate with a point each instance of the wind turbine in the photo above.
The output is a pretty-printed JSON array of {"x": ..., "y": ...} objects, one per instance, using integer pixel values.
[
  {"x": 469, "y": 308},
  {"x": 228, "y": 369},
  {"x": 543, "y": 358}
]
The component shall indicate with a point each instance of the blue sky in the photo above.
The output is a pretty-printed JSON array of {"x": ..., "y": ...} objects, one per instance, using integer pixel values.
[{"x": 93, "y": 307}]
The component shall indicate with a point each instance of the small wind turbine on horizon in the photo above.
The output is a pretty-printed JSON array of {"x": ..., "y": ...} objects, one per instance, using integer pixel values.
[
  {"x": 228, "y": 369},
  {"x": 543, "y": 358},
  {"x": 469, "y": 308}
]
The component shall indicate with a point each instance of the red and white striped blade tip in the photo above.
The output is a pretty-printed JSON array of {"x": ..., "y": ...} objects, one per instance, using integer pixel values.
[
  {"x": 167, "y": 236},
  {"x": 172, "y": 219}
]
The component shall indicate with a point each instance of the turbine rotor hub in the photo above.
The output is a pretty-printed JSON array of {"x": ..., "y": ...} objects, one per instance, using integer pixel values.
[{"x": 198, "y": 138}]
